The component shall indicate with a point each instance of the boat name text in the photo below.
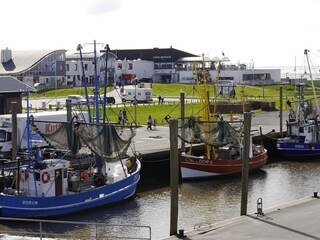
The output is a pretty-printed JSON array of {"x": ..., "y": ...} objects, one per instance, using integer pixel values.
[{"x": 30, "y": 202}]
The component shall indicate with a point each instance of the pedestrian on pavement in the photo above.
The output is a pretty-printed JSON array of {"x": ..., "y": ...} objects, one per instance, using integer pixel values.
[
  {"x": 149, "y": 123},
  {"x": 119, "y": 116},
  {"x": 159, "y": 99},
  {"x": 125, "y": 117}
]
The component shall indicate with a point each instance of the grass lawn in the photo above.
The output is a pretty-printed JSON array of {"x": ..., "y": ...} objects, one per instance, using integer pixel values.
[{"x": 270, "y": 93}]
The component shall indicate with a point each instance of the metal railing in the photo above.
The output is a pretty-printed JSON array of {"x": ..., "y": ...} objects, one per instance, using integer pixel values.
[{"x": 71, "y": 229}]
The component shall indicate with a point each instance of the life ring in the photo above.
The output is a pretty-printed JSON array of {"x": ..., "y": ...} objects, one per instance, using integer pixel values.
[
  {"x": 45, "y": 177},
  {"x": 23, "y": 175}
]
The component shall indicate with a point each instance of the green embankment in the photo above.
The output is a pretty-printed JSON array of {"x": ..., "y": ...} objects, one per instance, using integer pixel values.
[{"x": 171, "y": 106}]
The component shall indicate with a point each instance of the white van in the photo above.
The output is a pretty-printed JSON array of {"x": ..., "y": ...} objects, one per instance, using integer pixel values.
[
  {"x": 140, "y": 94},
  {"x": 76, "y": 99}
]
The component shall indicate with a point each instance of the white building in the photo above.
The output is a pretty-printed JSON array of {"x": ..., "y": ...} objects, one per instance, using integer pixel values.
[
  {"x": 236, "y": 73},
  {"x": 74, "y": 71},
  {"x": 138, "y": 68},
  {"x": 162, "y": 66}
]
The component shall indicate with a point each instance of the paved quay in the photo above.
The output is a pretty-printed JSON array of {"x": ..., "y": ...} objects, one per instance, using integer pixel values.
[
  {"x": 158, "y": 139},
  {"x": 295, "y": 221}
]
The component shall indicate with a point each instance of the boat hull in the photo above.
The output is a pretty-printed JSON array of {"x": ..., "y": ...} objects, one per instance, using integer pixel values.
[
  {"x": 199, "y": 167},
  {"x": 37, "y": 207},
  {"x": 295, "y": 149}
]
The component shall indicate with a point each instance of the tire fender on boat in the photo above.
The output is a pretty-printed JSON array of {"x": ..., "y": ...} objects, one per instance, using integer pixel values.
[{"x": 45, "y": 177}]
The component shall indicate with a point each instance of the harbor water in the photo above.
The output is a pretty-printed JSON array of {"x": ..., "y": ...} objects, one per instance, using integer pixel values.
[{"x": 204, "y": 202}]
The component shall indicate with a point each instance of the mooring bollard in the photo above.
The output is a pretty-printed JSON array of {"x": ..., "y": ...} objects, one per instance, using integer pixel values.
[
  {"x": 181, "y": 233},
  {"x": 259, "y": 207}
]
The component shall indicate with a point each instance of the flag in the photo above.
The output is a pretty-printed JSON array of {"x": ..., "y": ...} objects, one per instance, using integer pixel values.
[{"x": 53, "y": 65}]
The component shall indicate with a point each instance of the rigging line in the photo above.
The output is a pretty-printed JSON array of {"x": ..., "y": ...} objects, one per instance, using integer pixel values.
[{"x": 178, "y": 104}]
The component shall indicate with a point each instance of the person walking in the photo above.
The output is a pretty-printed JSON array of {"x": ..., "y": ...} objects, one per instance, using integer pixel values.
[
  {"x": 159, "y": 99},
  {"x": 125, "y": 117},
  {"x": 149, "y": 123},
  {"x": 119, "y": 117}
]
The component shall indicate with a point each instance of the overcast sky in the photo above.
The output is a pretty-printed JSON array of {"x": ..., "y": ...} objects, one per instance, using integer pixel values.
[{"x": 269, "y": 32}]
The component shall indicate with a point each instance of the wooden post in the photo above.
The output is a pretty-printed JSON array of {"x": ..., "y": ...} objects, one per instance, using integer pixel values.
[
  {"x": 69, "y": 110},
  {"x": 14, "y": 130},
  {"x": 182, "y": 113},
  {"x": 281, "y": 107},
  {"x": 174, "y": 175},
  {"x": 14, "y": 147},
  {"x": 245, "y": 163}
]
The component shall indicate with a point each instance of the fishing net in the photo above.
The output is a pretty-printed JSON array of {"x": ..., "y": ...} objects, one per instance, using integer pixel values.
[
  {"x": 215, "y": 134},
  {"x": 109, "y": 141}
]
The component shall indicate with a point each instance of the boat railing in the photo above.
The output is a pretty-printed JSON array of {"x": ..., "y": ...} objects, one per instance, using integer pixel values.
[{"x": 42, "y": 228}]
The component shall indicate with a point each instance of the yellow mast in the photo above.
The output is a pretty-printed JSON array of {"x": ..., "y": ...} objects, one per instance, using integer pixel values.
[
  {"x": 217, "y": 91},
  {"x": 195, "y": 75},
  {"x": 205, "y": 106}
]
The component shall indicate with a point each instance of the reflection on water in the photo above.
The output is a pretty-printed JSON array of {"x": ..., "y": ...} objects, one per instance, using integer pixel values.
[{"x": 211, "y": 200}]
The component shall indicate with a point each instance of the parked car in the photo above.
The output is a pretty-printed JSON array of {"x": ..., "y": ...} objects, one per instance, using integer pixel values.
[
  {"x": 76, "y": 99},
  {"x": 100, "y": 99},
  {"x": 111, "y": 100},
  {"x": 39, "y": 86}
]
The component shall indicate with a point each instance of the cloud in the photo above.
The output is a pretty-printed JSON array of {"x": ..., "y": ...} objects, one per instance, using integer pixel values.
[{"x": 100, "y": 7}]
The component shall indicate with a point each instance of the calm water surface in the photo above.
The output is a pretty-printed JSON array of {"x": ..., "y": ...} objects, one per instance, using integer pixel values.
[{"x": 210, "y": 201}]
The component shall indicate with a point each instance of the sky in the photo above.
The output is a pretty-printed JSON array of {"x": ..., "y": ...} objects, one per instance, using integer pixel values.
[{"x": 265, "y": 32}]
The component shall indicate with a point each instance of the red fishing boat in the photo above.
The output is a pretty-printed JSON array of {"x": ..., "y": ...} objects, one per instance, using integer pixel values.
[{"x": 223, "y": 140}]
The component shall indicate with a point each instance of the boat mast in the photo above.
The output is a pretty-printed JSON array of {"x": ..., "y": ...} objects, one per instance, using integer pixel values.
[
  {"x": 96, "y": 85},
  {"x": 217, "y": 88},
  {"x": 205, "y": 115},
  {"x": 313, "y": 88},
  {"x": 79, "y": 48},
  {"x": 105, "y": 85}
]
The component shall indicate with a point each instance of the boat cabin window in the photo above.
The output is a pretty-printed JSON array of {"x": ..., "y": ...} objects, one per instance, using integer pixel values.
[{"x": 301, "y": 129}]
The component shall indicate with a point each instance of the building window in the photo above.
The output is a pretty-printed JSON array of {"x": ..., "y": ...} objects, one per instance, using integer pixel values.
[
  {"x": 75, "y": 67},
  {"x": 156, "y": 65},
  {"x": 119, "y": 66},
  {"x": 130, "y": 67},
  {"x": 86, "y": 67},
  {"x": 67, "y": 67}
]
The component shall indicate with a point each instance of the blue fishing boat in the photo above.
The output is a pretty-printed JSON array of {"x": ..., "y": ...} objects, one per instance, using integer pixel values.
[
  {"x": 49, "y": 188},
  {"x": 303, "y": 131},
  {"x": 302, "y": 139},
  {"x": 43, "y": 187},
  {"x": 47, "y": 185}
]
